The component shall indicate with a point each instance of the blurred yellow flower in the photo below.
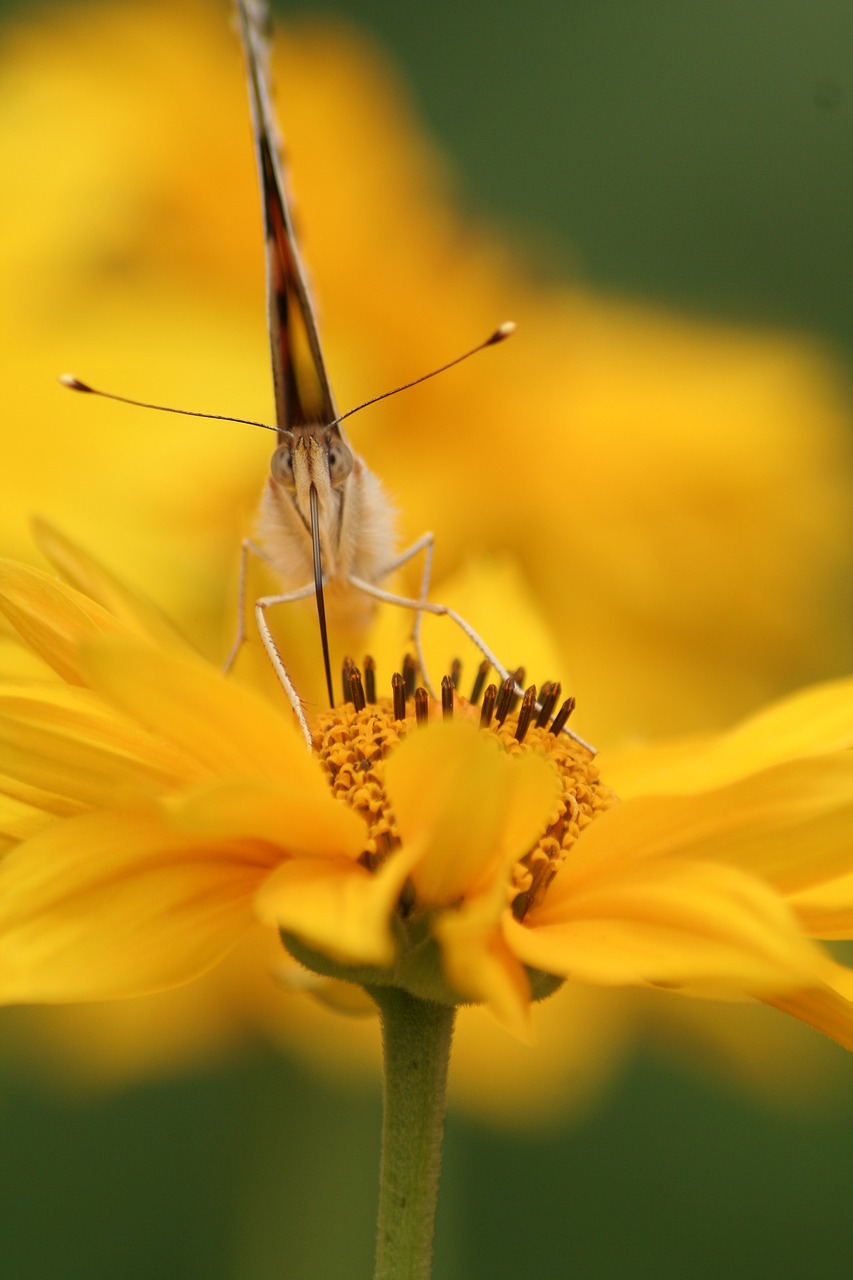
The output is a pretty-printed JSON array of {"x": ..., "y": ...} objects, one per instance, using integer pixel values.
[
  {"x": 155, "y": 811},
  {"x": 699, "y": 471}
]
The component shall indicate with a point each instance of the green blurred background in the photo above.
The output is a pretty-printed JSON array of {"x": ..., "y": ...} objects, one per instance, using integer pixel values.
[
  {"x": 694, "y": 153},
  {"x": 699, "y": 155}
]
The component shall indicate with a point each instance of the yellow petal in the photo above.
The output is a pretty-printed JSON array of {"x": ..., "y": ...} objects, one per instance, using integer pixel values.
[
  {"x": 666, "y": 922},
  {"x": 281, "y": 813},
  {"x": 826, "y": 908},
  {"x": 104, "y": 905},
  {"x": 98, "y": 584},
  {"x": 18, "y": 820},
  {"x": 46, "y": 802},
  {"x": 468, "y": 806},
  {"x": 481, "y": 967},
  {"x": 811, "y": 721},
  {"x": 225, "y": 727},
  {"x": 335, "y": 906},
  {"x": 51, "y": 618},
  {"x": 645, "y": 768},
  {"x": 827, "y": 1007},
  {"x": 816, "y": 719},
  {"x": 790, "y": 825},
  {"x": 65, "y": 741},
  {"x": 26, "y": 809}
]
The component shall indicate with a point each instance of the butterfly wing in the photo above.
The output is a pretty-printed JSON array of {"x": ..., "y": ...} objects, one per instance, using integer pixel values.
[{"x": 303, "y": 396}]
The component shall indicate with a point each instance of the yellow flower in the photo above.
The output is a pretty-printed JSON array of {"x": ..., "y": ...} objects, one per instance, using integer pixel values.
[
  {"x": 689, "y": 462},
  {"x": 156, "y": 812}
]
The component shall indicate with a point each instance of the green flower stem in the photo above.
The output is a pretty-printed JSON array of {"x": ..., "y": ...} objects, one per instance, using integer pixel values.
[{"x": 416, "y": 1038}]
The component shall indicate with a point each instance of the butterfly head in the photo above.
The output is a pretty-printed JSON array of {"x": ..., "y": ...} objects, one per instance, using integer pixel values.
[{"x": 317, "y": 456}]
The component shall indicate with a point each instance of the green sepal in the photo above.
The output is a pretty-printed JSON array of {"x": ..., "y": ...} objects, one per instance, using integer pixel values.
[{"x": 418, "y": 970}]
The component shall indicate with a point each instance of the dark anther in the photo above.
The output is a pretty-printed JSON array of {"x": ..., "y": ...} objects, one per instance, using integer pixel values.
[
  {"x": 447, "y": 687},
  {"x": 455, "y": 672},
  {"x": 479, "y": 681},
  {"x": 410, "y": 671},
  {"x": 518, "y": 677},
  {"x": 421, "y": 706},
  {"x": 543, "y": 873},
  {"x": 490, "y": 697},
  {"x": 398, "y": 690},
  {"x": 506, "y": 697},
  {"x": 544, "y": 691},
  {"x": 520, "y": 904},
  {"x": 349, "y": 666},
  {"x": 562, "y": 716},
  {"x": 548, "y": 695},
  {"x": 525, "y": 715},
  {"x": 370, "y": 678},
  {"x": 356, "y": 689}
]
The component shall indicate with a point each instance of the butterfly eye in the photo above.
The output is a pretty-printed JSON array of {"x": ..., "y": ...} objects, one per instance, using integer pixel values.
[
  {"x": 340, "y": 462},
  {"x": 281, "y": 466}
]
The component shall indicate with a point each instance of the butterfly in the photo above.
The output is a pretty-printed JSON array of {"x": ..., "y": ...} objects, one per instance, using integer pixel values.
[{"x": 326, "y": 525}]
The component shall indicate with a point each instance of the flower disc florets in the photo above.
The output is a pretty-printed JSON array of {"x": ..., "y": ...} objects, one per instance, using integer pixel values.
[{"x": 353, "y": 741}]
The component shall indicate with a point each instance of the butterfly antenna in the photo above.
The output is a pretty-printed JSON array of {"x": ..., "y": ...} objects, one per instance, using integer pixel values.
[
  {"x": 503, "y": 331},
  {"x": 74, "y": 384}
]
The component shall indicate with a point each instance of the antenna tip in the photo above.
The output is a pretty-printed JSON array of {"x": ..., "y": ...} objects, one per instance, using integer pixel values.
[
  {"x": 73, "y": 384},
  {"x": 503, "y": 331}
]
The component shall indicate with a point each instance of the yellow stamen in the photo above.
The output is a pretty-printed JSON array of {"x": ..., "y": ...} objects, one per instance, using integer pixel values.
[{"x": 352, "y": 746}]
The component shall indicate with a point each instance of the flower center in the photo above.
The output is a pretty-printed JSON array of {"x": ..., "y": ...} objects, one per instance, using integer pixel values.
[{"x": 353, "y": 740}]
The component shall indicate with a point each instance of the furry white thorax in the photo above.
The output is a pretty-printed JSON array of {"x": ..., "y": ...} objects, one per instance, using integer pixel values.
[{"x": 357, "y": 536}]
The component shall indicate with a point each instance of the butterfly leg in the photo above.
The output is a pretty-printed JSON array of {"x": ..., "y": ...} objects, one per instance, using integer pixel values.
[
  {"x": 247, "y": 548},
  {"x": 261, "y": 606},
  {"x": 425, "y": 543},
  {"x": 422, "y": 606},
  {"x": 444, "y": 611}
]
